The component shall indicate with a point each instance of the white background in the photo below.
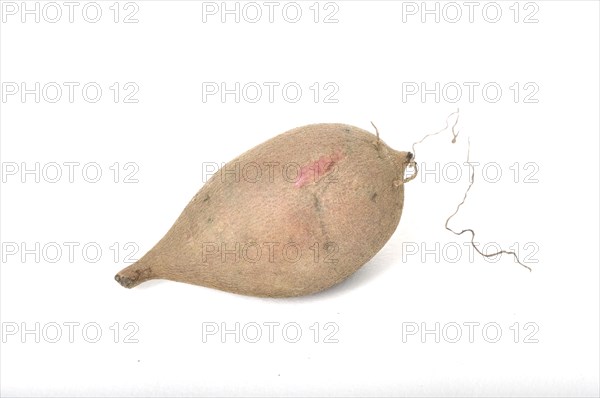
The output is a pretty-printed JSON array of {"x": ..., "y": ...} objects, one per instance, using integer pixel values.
[{"x": 171, "y": 132}]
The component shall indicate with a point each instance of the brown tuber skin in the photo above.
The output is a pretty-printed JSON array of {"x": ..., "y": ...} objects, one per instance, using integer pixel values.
[{"x": 293, "y": 216}]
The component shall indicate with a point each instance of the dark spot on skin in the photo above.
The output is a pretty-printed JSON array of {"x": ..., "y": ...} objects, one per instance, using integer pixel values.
[
  {"x": 374, "y": 197},
  {"x": 209, "y": 220},
  {"x": 347, "y": 130},
  {"x": 207, "y": 198}
]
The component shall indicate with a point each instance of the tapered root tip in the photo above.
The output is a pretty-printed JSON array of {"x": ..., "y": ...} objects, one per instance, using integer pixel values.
[
  {"x": 125, "y": 281},
  {"x": 134, "y": 275}
]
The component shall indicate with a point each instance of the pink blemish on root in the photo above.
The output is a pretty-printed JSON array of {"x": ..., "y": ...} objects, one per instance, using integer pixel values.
[{"x": 313, "y": 171}]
